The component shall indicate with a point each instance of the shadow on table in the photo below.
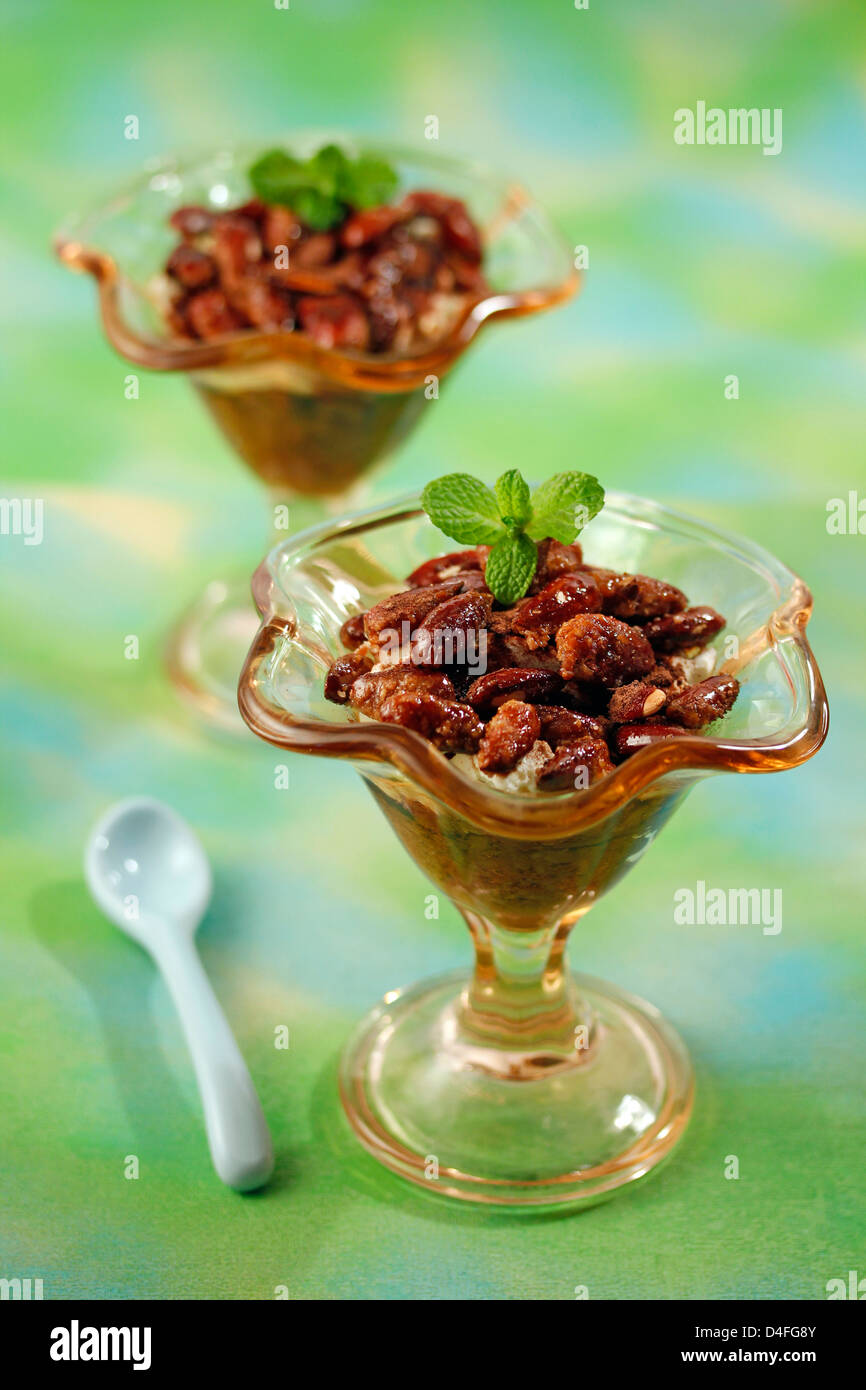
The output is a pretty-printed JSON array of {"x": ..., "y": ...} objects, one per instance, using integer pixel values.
[{"x": 118, "y": 977}]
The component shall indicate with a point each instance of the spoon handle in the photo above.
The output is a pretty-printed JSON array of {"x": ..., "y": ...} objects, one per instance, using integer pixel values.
[{"x": 237, "y": 1132}]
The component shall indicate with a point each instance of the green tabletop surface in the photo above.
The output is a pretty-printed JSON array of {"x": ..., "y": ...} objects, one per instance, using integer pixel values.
[{"x": 703, "y": 262}]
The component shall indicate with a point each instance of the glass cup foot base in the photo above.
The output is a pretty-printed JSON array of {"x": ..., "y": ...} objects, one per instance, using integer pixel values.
[
  {"x": 206, "y": 650},
  {"x": 421, "y": 1098}
]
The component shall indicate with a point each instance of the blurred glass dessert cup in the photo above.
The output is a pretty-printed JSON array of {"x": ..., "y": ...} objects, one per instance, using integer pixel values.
[
  {"x": 310, "y": 421},
  {"x": 523, "y": 1085}
]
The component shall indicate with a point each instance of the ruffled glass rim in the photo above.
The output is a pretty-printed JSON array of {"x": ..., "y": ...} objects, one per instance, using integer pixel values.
[
  {"x": 77, "y": 246},
  {"x": 552, "y": 815}
]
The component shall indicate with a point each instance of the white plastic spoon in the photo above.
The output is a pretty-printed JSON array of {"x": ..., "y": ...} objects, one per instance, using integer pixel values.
[{"x": 149, "y": 874}]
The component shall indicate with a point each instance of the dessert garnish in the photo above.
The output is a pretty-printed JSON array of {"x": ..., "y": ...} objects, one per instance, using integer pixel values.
[
  {"x": 323, "y": 189},
  {"x": 510, "y": 519},
  {"x": 321, "y": 250},
  {"x": 539, "y": 670}
]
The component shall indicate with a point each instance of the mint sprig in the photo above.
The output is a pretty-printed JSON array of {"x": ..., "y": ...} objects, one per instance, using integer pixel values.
[
  {"x": 510, "y": 519},
  {"x": 322, "y": 189}
]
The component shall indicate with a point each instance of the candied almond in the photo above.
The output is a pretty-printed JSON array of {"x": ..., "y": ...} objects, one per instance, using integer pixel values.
[
  {"x": 458, "y": 613},
  {"x": 637, "y": 700},
  {"x": 313, "y": 251},
  {"x": 191, "y": 268},
  {"x": 263, "y": 304},
  {"x": 473, "y": 581},
  {"x": 458, "y": 562},
  {"x": 390, "y": 320},
  {"x": 369, "y": 224},
  {"x": 372, "y": 689},
  {"x": 342, "y": 675},
  {"x": 701, "y": 704},
  {"x": 509, "y": 649},
  {"x": 281, "y": 228},
  {"x": 576, "y": 765},
  {"x": 459, "y": 229},
  {"x": 508, "y": 736},
  {"x": 334, "y": 321},
  {"x": 561, "y": 725},
  {"x": 454, "y": 727},
  {"x": 352, "y": 632},
  {"x": 236, "y": 246},
  {"x": 528, "y": 684},
  {"x": 636, "y": 597},
  {"x": 192, "y": 220},
  {"x": 177, "y": 320},
  {"x": 453, "y": 633},
  {"x": 630, "y": 738},
  {"x": 417, "y": 261},
  {"x": 409, "y": 605},
  {"x": 554, "y": 560},
  {"x": 686, "y": 631},
  {"x": 467, "y": 276},
  {"x": 253, "y": 208},
  {"x": 210, "y": 315},
  {"x": 593, "y": 647},
  {"x": 540, "y": 616}
]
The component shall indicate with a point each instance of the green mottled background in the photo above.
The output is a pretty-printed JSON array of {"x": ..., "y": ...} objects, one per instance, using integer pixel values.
[{"x": 703, "y": 262}]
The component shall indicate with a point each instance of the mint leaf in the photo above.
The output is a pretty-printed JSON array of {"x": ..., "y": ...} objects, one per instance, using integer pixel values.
[
  {"x": 368, "y": 182},
  {"x": 319, "y": 210},
  {"x": 327, "y": 171},
  {"x": 510, "y": 566},
  {"x": 464, "y": 508},
  {"x": 512, "y": 495},
  {"x": 563, "y": 505},
  {"x": 321, "y": 190},
  {"x": 276, "y": 175}
]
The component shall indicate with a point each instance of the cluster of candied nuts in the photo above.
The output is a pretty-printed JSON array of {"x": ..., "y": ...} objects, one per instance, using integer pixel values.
[
  {"x": 590, "y": 667},
  {"x": 375, "y": 283}
]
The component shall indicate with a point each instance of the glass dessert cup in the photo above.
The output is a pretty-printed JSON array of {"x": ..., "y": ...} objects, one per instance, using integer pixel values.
[
  {"x": 309, "y": 422},
  {"x": 524, "y": 1085}
]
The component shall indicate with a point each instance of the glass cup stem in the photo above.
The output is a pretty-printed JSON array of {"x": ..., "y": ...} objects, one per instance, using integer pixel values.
[{"x": 521, "y": 999}]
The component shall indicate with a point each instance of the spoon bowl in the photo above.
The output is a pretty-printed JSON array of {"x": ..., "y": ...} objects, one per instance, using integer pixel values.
[{"x": 144, "y": 862}]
